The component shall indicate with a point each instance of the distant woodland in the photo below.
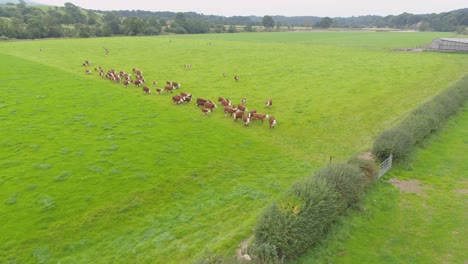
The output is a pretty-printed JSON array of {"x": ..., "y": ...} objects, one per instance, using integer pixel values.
[{"x": 25, "y": 21}]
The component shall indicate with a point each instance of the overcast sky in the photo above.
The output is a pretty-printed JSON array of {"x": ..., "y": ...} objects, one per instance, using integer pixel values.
[{"x": 321, "y": 8}]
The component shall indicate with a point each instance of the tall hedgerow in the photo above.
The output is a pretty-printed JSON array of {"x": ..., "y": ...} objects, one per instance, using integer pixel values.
[
  {"x": 298, "y": 220},
  {"x": 345, "y": 179},
  {"x": 394, "y": 141}
]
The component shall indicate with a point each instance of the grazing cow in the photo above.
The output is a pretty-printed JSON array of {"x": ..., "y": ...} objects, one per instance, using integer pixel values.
[
  {"x": 188, "y": 98},
  {"x": 146, "y": 90},
  {"x": 221, "y": 99},
  {"x": 252, "y": 112},
  {"x": 177, "y": 99},
  {"x": 101, "y": 73},
  {"x": 225, "y": 102},
  {"x": 158, "y": 91},
  {"x": 168, "y": 88},
  {"x": 243, "y": 101},
  {"x": 259, "y": 116},
  {"x": 238, "y": 115},
  {"x": 126, "y": 83},
  {"x": 246, "y": 119},
  {"x": 229, "y": 110},
  {"x": 205, "y": 111},
  {"x": 272, "y": 121},
  {"x": 88, "y": 71},
  {"x": 269, "y": 103},
  {"x": 241, "y": 107},
  {"x": 168, "y": 83},
  {"x": 201, "y": 101},
  {"x": 210, "y": 105},
  {"x": 236, "y": 78},
  {"x": 155, "y": 83},
  {"x": 137, "y": 82},
  {"x": 176, "y": 85}
]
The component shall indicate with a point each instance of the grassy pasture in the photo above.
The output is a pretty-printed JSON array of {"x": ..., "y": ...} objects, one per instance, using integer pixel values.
[
  {"x": 425, "y": 226},
  {"x": 94, "y": 172}
]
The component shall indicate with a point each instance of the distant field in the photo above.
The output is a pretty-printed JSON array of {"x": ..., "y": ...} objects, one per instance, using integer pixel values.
[
  {"x": 95, "y": 172},
  {"x": 424, "y": 223}
]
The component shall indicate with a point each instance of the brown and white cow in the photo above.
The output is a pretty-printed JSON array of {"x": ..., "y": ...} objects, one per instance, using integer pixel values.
[
  {"x": 259, "y": 116},
  {"x": 272, "y": 121},
  {"x": 236, "y": 78},
  {"x": 155, "y": 83},
  {"x": 201, "y": 101},
  {"x": 158, "y": 91},
  {"x": 168, "y": 88},
  {"x": 205, "y": 111},
  {"x": 269, "y": 103},
  {"x": 146, "y": 90},
  {"x": 138, "y": 82},
  {"x": 252, "y": 112},
  {"x": 238, "y": 115},
  {"x": 241, "y": 107},
  {"x": 126, "y": 83},
  {"x": 177, "y": 99},
  {"x": 243, "y": 101},
  {"x": 210, "y": 105},
  {"x": 225, "y": 102},
  {"x": 246, "y": 119},
  {"x": 229, "y": 110},
  {"x": 176, "y": 85}
]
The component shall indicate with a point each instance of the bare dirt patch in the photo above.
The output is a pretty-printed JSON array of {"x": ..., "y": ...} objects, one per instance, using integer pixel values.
[
  {"x": 462, "y": 191},
  {"x": 409, "y": 186}
]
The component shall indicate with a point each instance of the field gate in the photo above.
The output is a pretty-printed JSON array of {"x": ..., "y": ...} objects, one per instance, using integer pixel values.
[{"x": 385, "y": 166}]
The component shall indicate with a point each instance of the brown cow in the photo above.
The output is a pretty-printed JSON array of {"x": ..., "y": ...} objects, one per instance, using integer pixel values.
[
  {"x": 236, "y": 78},
  {"x": 243, "y": 101},
  {"x": 146, "y": 90},
  {"x": 246, "y": 119},
  {"x": 252, "y": 112},
  {"x": 176, "y": 85},
  {"x": 201, "y": 101},
  {"x": 168, "y": 88},
  {"x": 205, "y": 111},
  {"x": 225, "y": 102},
  {"x": 177, "y": 99},
  {"x": 210, "y": 105},
  {"x": 155, "y": 83},
  {"x": 272, "y": 121},
  {"x": 88, "y": 71},
  {"x": 137, "y": 82},
  {"x": 158, "y": 91},
  {"x": 269, "y": 103},
  {"x": 238, "y": 115},
  {"x": 259, "y": 116},
  {"x": 229, "y": 110},
  {"x": 241, "y": 107}
]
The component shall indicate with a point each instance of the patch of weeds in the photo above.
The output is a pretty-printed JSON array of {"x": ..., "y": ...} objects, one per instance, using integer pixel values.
[
  {"x": 46, "y": 203},
  {"x": 12, "y": 199},
  {"x": 94, "y": 168},
  {"x": 115, "y": 171},
  {"x": 43, "y": 166},
  {"x": 90, "y": 125},
  {"x": 32, "y": 187},
  {"x": 63, "y": 176},
  {"x": 79, "y": 153}
]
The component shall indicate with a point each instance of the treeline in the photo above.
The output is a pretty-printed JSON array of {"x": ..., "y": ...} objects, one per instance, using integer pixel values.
[{"x": 28, "y": 22}]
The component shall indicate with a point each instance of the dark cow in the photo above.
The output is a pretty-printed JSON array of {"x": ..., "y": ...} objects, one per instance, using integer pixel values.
[
  {"x": 236, "y": 78},
  {"x": 269, "y": 103},
  {"x": 177, "y": 99},
  {"x": 168, "y": 88},
  {"x": 272, "y": 121},
  {"x": 201, "y": 101},
  {"x": 259, "y": 116},
  {"x": 126, "y": 83},
  {"x": 88, "y": 71},
  {"x": 210, "y": 105},
  {"x": 146, "y": 90},
  {"x": 137, "y": 82},
  {"x": 155, "y": 83},
  {"x": 229, "y": 110},
  {"x": 158, "y": 91},
  {"x": 176, "y": 85},
  {"x": 238, "y": 115}
]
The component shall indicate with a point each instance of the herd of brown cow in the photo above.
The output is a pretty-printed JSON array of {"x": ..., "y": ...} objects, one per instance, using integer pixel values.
[{"x": 207, "y": 106}]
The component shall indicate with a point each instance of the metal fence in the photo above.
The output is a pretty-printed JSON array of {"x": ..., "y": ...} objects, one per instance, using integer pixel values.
[{"x": 385, "y": 166}]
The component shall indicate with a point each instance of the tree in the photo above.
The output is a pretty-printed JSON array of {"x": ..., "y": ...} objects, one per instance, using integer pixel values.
[
  {"x": 268, "y": 22},
  {"x": 325, "y": 22},
  {"x": 134, "y": 26}
]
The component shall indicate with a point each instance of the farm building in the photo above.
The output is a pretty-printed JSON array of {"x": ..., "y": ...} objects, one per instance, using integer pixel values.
[{"x": 450, "y": 44}]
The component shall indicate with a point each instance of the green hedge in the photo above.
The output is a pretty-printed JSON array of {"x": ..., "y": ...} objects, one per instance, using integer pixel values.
[{"x": 428, "y": 118}]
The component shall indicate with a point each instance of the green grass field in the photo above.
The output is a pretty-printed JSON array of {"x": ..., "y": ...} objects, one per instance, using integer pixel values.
[
  {"x": 423, "y": 225},
  {"x": 95, "y": 172}
]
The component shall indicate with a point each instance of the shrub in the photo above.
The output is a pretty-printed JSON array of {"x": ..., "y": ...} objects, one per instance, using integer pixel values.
[
  {"x": 368, "y": 168},
  {"x": 300, "y": 219},
  {"x": 395, "y": 141},
  {"x": 265, "y": 253},
  {"x": 346, "y": 180}
]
